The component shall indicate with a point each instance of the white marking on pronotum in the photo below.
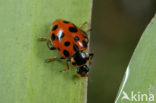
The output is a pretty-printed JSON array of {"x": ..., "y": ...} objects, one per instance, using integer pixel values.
[{"x": 127, "y": 74}]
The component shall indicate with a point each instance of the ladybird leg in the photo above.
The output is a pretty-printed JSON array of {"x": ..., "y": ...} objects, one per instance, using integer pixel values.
[
  {"x": 55, "y": 58},
  {"x": 85, "y": 32},
  {"x": 89, "y": 77},
  {"x": 90, "y": 63},
  {"x": 76, "y": 75},
  {"x": 68, "y": 59},
  {"x": 82, "y": 25},
  {"x": 88, "y": 30},
  {"x": 85, "y": 35},
  {"x": 91, "y": 55},
  {"x": 65, "y": 69},
  {"x": 51, "y": 48}
]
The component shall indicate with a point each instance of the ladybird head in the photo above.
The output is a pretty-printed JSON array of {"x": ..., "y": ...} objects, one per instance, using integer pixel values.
[{"x": 82, "y": 71}]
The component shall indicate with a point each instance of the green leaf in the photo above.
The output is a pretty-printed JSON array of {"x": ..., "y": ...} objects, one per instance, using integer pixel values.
[
  {"x": 25, "y": 77},
  {"x": 139, "y": 82}
]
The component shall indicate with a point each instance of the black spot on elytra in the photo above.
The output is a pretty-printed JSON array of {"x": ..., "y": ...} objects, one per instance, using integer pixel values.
[
  {"x": 67, "y": 43},
  {"x": 60, "y": 36},
  {"x": 66, "y": 22},
  {"x": 76, "y": 48},
  {"x": 54, "y": 27},
  {"x": 73, "y": 63},
  {"x": 66, "y": 53},
  {"x": 53, "y": 37},
  {"x": 76, "y": 38},
  {"x": 84, "y": 43},
  {"x": 58, "y": 49},
  {"x": 72, "y": 29}
]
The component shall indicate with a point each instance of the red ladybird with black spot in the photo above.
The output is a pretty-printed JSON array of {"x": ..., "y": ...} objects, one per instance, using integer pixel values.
[{"x": 70, "y": 41}]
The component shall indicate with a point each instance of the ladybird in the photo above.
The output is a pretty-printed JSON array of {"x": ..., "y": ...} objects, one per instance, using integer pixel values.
[{"x": 70, "y": 41}]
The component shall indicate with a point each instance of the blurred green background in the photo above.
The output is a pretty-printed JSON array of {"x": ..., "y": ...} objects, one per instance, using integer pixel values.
[{"x": 117, "y": 26}]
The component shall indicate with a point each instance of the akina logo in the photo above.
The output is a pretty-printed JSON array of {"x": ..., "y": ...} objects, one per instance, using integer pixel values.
[{"x": 137, "y": 97}]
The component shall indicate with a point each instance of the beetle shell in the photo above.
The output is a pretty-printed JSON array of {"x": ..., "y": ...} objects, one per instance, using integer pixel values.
[{"x": 67, "y": 38}]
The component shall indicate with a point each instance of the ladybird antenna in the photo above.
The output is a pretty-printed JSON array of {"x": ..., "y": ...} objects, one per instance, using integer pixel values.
[
  {"x": 77, "y": 75},
  {"x": 75, "y": 80},
  {"x": 89, "y": 78}
]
